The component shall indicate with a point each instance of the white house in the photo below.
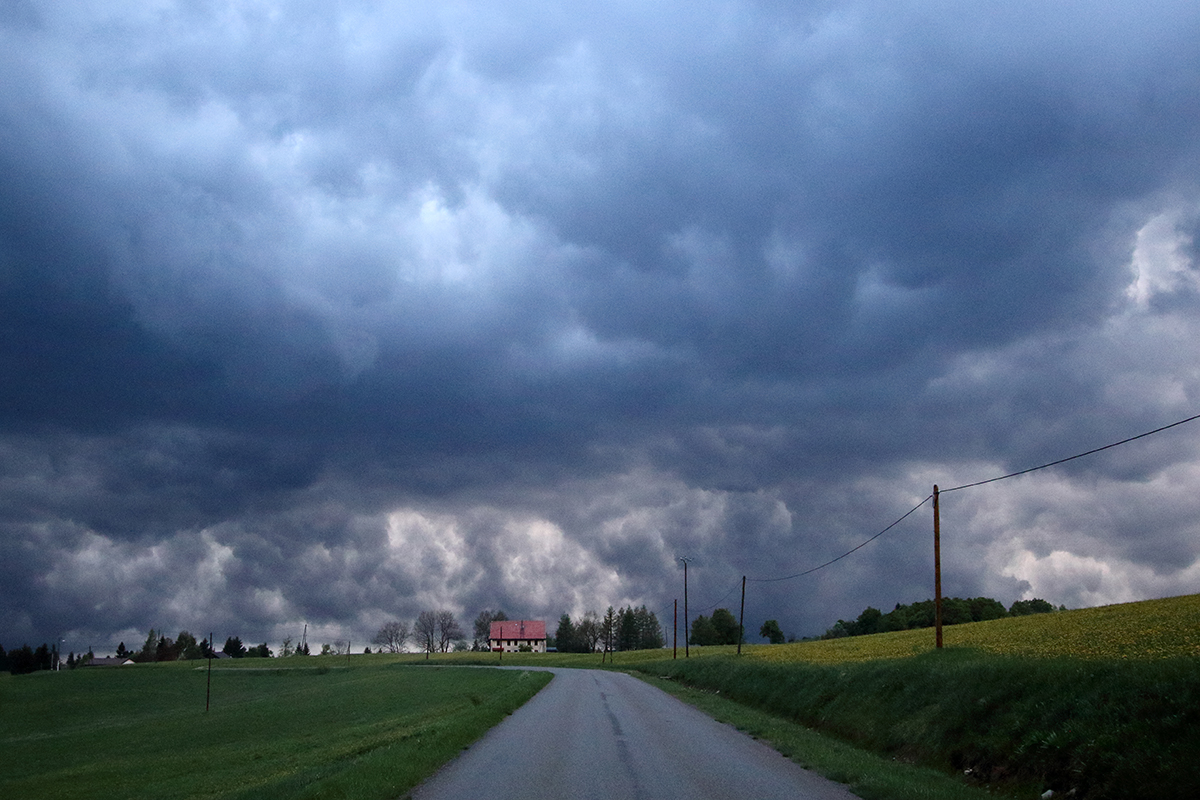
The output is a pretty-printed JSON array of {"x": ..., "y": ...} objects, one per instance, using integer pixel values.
[{"x": 510, "y": 635}]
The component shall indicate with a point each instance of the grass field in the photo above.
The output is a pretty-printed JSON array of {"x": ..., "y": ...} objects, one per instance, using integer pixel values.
[
  {"x": 322, "y": 729},
  {"x": 1147, "y": 630},
  {"x": 1102, "y": 701},
  {"x": 1151, "y": 629},
  {"x": 1100, "y": 728}
]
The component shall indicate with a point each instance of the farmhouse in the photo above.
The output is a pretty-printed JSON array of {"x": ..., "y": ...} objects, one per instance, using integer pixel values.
[{"x": 510, "y": 635}]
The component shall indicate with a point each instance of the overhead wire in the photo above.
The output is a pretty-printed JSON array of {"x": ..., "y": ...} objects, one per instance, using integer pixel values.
[
  {"x": 722, "y": 600},
  {"x": 848, "y": 552},
  {"x": 968, "y": 486},
  {"x": 1072, "y": 458},
  {"x": 954, "y": 489}
]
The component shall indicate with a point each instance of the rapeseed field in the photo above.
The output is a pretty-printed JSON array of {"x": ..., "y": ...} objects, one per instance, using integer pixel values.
[{"x": 1150, "y": 629}]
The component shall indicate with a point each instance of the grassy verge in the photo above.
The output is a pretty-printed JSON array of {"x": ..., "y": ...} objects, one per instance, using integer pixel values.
[
  {"x": 1103, "y": 729},
  {"x": 869, "y": 775},
  {"x": 369, "y": 731}
]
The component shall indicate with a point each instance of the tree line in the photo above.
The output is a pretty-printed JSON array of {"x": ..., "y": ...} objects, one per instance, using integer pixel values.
[
  {"x": 25, "y": 659},
  {"x": 184, "y": 647},
  {"x": 955, "y": 610},
  {"x": 618, "y": 630},
  {"x": 721, "y": 628},
  {"x": 431, "y": 632},
  {"x": 438, "y": 631},
  {"x": 157, "y": 647}
]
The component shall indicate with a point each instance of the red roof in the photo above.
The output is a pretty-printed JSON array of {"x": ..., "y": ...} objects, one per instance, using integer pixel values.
[{"x": 518, "y": 629}]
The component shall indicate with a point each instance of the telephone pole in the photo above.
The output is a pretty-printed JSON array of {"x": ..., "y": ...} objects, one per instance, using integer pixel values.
[
  {"x": 686, "y": 649},
  {"x": 742, "y": 617},
  {"x": 937, "y": 569}
]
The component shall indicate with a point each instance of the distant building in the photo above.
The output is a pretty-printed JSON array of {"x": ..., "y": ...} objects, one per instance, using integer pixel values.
[
  {"x": 108, "y": 662},
  {"x": 510, "y": 635}
]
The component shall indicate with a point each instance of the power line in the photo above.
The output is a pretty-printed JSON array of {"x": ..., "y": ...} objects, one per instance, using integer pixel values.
[
  {"x": 843, "y": 555},
  {"x": 930, "y": 497},
  {"x": 722, "y": 600},
  {"x": 971, "y": 485},
  {"x": 1077, "y": 455}
]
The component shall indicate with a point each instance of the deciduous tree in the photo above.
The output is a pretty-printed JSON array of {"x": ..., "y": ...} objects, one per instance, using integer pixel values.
[
  {"x": 771, "y": 631},
  {"x": 448, "y": 630},
  {"x": 187, "y": 647},
  {"x": 726, "y": 626},
  {"x": 1021, "y": 608},
  {"x": 425, "y": 631},
  {"x": 590, "y": 631},
  {"x": 392, "y": 635},
  {"x": 703, "y": 632},
  {"x": 483, "y": 627}
]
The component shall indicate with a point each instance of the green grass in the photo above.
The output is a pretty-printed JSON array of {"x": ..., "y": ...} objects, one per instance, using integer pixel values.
[
  {"x": 275, "y": 729},
  {"x": 1147, "y": 630},
  {"x": 1103, "y": 701},
  {"x": 869, "y": 775},
  {"x": 1105, "y": 729}
]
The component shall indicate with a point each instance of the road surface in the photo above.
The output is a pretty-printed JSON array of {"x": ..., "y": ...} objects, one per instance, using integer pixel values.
[{"x": 609, "y": 736}]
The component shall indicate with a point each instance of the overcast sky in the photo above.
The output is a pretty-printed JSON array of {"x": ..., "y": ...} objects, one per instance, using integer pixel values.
[{"x": 329, "y": 313}]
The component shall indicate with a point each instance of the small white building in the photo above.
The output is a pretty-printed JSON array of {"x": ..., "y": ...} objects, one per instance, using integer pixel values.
[{"x": 510, "y": 635}]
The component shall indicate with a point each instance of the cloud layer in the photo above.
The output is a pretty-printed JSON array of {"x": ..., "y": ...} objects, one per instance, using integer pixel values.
[{"x": 327, "y": 314}]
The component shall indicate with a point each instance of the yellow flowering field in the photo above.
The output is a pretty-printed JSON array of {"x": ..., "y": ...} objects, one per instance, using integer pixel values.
[{"x": 1149, "y": 629}]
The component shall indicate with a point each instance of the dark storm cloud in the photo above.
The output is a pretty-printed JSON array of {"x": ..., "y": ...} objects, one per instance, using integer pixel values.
[{"x": 324, "y": 313}]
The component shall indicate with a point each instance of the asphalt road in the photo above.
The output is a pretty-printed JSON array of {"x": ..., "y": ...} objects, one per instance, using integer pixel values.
[{"x": 609, "y": 736}]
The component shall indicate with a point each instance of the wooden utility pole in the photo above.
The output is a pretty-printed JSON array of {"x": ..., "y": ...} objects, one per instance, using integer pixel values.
[
  {"x": 675, "y": 632},
  {"x": 687, "y": 653},
  {"x": 937, "y": 568},
  {"x": 742, "y": 617},
  {"x": 208, "y": 692}
]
